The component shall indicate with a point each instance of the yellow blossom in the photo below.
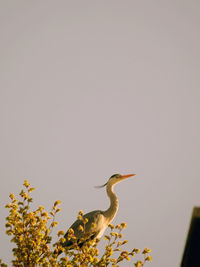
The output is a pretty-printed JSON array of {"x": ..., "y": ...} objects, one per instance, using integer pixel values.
[
  {"x": 57, "y": 202},
  {"x": 60, "y": 233},
  {"x": 31, "y": 189},
  {"x": 123, "y": 225},
  {"x": 26, "y": 183},
  {"x": 136, "y": 250},
  {"x": 148, "y": 258},
  {"x": 146, "y": 251},
  {"x": 138, "y": 264},
  {"x": 12, "y": 196},
  {"x": 80, "y": 228}
]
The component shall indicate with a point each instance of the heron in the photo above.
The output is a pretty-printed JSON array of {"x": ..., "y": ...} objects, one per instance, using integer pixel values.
[{"x": 97, "y": 220}]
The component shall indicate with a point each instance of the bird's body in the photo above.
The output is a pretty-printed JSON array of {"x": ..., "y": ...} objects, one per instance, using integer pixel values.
[
  {"x": 94, "y": 217},
  {"x": 97, "y": 220}
]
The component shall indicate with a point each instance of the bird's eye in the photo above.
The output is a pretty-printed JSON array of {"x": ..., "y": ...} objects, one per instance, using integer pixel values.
[{"x": 115, "y": 176}]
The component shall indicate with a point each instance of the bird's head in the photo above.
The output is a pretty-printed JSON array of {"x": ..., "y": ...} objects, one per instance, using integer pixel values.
[{"x": 115, "y": 179}]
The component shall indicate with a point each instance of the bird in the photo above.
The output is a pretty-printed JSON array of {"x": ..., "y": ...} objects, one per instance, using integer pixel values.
[{"x": 96, "y": 221}]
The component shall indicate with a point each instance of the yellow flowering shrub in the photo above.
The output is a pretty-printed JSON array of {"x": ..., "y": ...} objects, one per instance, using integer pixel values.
[{"x": 31, "y": 231}]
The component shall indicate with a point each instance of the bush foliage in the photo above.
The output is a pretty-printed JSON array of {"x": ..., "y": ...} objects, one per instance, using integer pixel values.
[{"x": 31, "y": 232}]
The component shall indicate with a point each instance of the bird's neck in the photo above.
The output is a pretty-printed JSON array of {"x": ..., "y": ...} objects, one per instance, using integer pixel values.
[{"x": 114, "y": 204}]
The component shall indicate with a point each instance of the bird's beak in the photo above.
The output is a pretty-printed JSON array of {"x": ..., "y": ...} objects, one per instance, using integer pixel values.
[{"x": 127, "y": 176}]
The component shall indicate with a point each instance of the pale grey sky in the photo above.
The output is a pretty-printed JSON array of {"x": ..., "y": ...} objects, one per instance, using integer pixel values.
[{"x": 93, "y": 88}]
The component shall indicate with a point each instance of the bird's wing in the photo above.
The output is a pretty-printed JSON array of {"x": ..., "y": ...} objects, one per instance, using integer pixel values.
[{"x": 93, "y": 227}]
